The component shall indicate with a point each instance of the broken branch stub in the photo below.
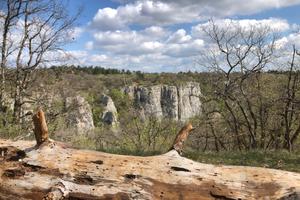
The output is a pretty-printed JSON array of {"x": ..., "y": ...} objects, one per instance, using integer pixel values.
[
  {"x": 40, "y": 127},
  {"x": 56, "y": 172},
  {"x": 182, "y": 137}
]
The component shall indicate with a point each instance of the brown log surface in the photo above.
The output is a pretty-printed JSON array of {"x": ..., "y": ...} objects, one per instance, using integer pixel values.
[
  {"x": 40, "y": 127},
  {"x": 58, "y": 172},
  {"x": 182, "y": 137}
]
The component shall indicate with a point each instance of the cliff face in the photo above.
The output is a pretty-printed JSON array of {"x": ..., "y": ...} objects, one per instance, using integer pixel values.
[
  {"x": 109, "y": 114},
  {"x": 79, "y": 114},
  {"x": 164, "y": 101}
]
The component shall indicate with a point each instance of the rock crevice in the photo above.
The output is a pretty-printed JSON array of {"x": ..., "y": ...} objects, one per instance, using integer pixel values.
[
  {"x": 165, "y": 101},
  {"x": 80, "y": 114},
  {"x": 109, "y": 114}
]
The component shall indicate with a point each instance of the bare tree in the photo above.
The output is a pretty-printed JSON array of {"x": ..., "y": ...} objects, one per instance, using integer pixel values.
[
  {"x": 146, "y": 135},
  {"x": 238, "y": 57},
  {"x": 291, "y": 109},
  {"x": 43, "y": 28},
  {"x": 11, "y": 11}
]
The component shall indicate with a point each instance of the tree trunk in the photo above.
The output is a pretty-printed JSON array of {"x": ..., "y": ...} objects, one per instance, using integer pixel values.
[
  {"x": 55, "y": 171},
  {"x": 40, "y": 127}
]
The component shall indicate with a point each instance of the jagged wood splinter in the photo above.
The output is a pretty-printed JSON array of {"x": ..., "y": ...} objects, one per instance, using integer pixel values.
[
  {"x": 40, "y": 127},
  {"x": 182, "y": 137}
]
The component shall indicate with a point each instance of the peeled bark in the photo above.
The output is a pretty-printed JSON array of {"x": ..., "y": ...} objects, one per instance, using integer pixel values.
[
  {"x": 40, "y": 127},
  {"x": 182, "y": 137},
  {"x": 58, "y": 172},
  {"x": 54, "y": 171}
]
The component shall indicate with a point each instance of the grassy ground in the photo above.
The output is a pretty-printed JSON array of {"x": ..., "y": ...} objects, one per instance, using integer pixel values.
[
  {"x": 282, "y": 160},
  {"x": 276, "y": 159},
  {"x": 271, "y": 159}
]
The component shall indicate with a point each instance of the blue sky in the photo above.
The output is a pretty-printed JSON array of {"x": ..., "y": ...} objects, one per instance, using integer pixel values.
[{"x": 165, "y": 35}]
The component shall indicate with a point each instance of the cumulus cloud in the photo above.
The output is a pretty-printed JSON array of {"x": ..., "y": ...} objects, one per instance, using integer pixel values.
[
  {"x": 126, "y": 42},
  {"x": 178, "y": 43},
  {"x": 157, "y": 48},
  {"x": 75, "y": 33},
  {"x": 136, "y": 43},
  {"x": 224, "y": 8},
  {"x": 168, "y": 12},
  {"x": 147, "y": 34},
  {"x": 274, "y": 24},
  {"x": 180, "y": 36},
  {"x": 98, "y": 58},
  {"x": 289, "y": 40},
  {"x": 156, "y": 32},
  {"x": 107, "y": 19},
  {"x": 89, "y": 45},
  {"x": 147, "y": 12},
  {"x": 188, "y": 49}
]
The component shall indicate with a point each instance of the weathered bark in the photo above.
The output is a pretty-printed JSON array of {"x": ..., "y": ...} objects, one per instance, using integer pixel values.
[
  {"x": 40, "y": 127},
  {"x": 60, "y": 172},
  {"x": 54, "y": 171},
  {"x": 182, "y": 137}
]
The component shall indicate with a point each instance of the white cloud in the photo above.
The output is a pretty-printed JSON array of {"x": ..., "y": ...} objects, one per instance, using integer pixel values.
[
  {"x": 145, "y": 12},
  {"x": 289, "y": 40},
  {"x": 89, "y": 45},
  {"x": 274, "y": 24},
  {"x": 179, "y": 36},
  {"x": 147, "y": 34},
  {"x": 168, "y": 12},
  {"x": 107, "y": 19},
  {"x": 127, "y": 42},
  {"x": 156, "y": 32},
  {"x": 157, "y": 48},
  {"x": 188, "y": 49},
  {"x": 75, "y": 33},
  {"x": 98, "y": 58}
]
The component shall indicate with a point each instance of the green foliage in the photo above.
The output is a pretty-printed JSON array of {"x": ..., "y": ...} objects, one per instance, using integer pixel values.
[
  {"x": 94, "y": 101},
  {"x": 272, "y": 159},
  {"x": 11, "y": 132},
  {"x": 8, "y": 130},
  {"x": 147, "y": 136},
  {"x": 83, "y": 142},
  {"x": 122, "y": 102},
  {"x": 135, "y": 136},
  {"x": 90, "y": 70}
]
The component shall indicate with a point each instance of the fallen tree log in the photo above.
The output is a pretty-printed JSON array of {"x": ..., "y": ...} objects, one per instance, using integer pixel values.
[{"x": 54, "y": 171}]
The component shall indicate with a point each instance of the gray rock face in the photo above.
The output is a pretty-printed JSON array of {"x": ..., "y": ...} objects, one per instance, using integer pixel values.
[
  {"x": 147, "y": 100},
  {"x": 80, "y": 115},
  {"x": 164, "y": 101},
  {"x": 169, "y": 102},
  {"x": 189, "y": 100},
  {"x": 110, "y": 114}
]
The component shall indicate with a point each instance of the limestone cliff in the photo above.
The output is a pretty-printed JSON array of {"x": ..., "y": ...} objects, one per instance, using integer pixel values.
[
  {"x": 109, "y": 114},
  {"x": 164, "y": 101},
  {"x": 79, "y": 114}
]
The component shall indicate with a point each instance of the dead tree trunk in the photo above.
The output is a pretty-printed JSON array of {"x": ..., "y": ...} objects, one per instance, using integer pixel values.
[
  {"x": 182, "y": 137},
  {"x": 54, "y": 171},
  {"x": 40, "y": 127}
]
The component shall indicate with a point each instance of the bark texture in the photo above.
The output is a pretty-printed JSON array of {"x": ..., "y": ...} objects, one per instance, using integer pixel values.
[
  {"x": 40, "y": 127},
  {"x": 182, "y": 137},
  {"x": 54, "y": 171}
]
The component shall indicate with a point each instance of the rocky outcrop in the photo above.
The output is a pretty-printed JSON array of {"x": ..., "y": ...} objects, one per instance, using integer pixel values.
[
  {"x": 189, "y": 100},
  {"x": 164, "y": 101},
  {"x": 109, "y": 114},
  {"x": 80, "y": 114}
]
